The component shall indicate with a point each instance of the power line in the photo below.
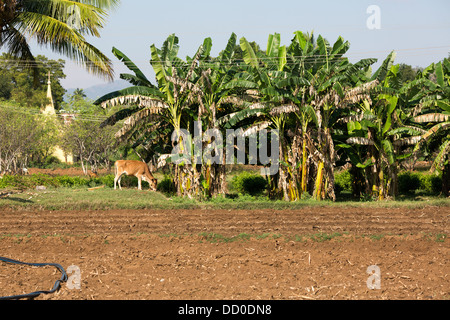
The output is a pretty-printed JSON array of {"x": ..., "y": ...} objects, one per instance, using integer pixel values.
[
  {"x": 315, "y": 57},
  {"x": 36, "y": 112}
]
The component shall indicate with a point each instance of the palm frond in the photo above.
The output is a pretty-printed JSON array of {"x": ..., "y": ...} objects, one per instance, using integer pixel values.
[
  {"x": 444, "y": 150},
  {"x": 256, "y": 128},
  {"x": 118, "y": 116},
  {"x": 146, "y": 114},
  {"x": 232, "y": 119},
  {"x": 289, "y": 108},
  {"x": 431, "y": 117},
  {"x": 360, "y": 140},
  {"x": 407, "y": 141},
  {"x": 359, "y": 93}
]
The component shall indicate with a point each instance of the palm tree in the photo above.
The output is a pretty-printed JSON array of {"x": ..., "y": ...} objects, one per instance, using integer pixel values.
[{"x": 59, "y": 24}]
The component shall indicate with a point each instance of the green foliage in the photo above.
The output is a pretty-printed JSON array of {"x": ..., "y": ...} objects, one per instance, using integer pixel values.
[
  {"x": 410, "y": 182},
  {"x": 34, "y": 180},
  {"x": 71, "y": 182},
  {"x": 343, "y": 181},
  {"x": 249, "y": 183},
  {"x": 27, "y": 87},
  {"x": 430, "y": 183},
  {"x": 166, "y": 186},
  {"x": 23, "y": 137},
  {"x": 48, "y": 23},
  {"x": 27, "y": 182}
]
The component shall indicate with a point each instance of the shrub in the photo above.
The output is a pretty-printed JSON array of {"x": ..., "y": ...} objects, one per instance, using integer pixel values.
[
  {"x": 27, "y": 182},
  {"x": 343, "y": 181},
  {"x": 71, "y": 182},
  {"x": 107, "y": 180},
  {"x": 166, "y": 186},
  {"x": 408, "y": 182},
  {"x": 249, "y": 183},
  {"x": 430, "y": 183}
]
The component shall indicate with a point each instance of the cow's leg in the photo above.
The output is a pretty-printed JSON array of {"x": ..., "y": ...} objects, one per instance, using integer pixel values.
[
  {"x": 120, "y": 177},
  {"x": 115, "y": 181},
  {"x": 139, "y": 183}
]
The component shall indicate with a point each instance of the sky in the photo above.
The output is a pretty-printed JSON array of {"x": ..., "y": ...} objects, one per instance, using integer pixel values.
[{"x": 419, "y": 30}]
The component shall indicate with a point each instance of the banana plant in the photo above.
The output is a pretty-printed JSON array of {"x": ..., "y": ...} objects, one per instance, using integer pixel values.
[
  {"x": 380, "y": 130},
  {"x": 267, "y": 74},
  {"x": 208, "y": 83},
  {"x": 333, "y": 83},
  {"x": 434, "y": 114},
  {"x": 146, "y": 107}
]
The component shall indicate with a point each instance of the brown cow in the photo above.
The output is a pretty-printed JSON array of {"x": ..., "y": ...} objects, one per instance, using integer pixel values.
[{"x": 135, "y": 168}]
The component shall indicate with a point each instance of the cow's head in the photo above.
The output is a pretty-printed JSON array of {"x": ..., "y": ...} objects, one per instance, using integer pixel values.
[{"x": 152, "y": 182}]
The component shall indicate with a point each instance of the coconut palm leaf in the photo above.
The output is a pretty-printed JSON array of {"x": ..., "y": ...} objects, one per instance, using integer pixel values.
[{"x": 48, "y": 22}]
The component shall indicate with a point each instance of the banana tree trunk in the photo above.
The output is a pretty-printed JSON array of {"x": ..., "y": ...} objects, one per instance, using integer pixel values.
[
  {"x": 381, "y": 185},
  {"x": 319, "y": 181},
  {"x": 304, "y": 166},
  {"x": 282, "y": 182}
]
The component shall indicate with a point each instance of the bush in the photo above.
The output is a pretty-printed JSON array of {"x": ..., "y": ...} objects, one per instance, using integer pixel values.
[
  {"x": 27, "y": 182},
  {"x": 107, "y": 180},
  {"x": 343, "y": 181},
  {"x": 32, "y": 181},
  {"x": 249, "y": 183},
  {"x": 430, "y": 183},
  {"x": 166, "y": 186},
  {"x": 71, "y": 182},
  {"x": 410, "y": 182}
]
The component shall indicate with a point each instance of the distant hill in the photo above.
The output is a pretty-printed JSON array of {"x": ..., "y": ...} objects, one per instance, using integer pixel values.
[{"x": 97, "y": 91}]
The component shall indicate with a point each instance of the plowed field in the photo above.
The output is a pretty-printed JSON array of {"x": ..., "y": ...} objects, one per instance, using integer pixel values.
[{"x": 312, "y": 253}]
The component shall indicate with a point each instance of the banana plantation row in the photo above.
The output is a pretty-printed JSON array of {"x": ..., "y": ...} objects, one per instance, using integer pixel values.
[{"x": 328, "y": 112}]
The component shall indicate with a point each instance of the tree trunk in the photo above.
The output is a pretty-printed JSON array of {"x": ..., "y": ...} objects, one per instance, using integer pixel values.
[
  {"x": 304, "y": 166},
  {"x": 282, "y": 177},
  {"x": 319, "y": 181},
  {"x": 446, "y": 180}
]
